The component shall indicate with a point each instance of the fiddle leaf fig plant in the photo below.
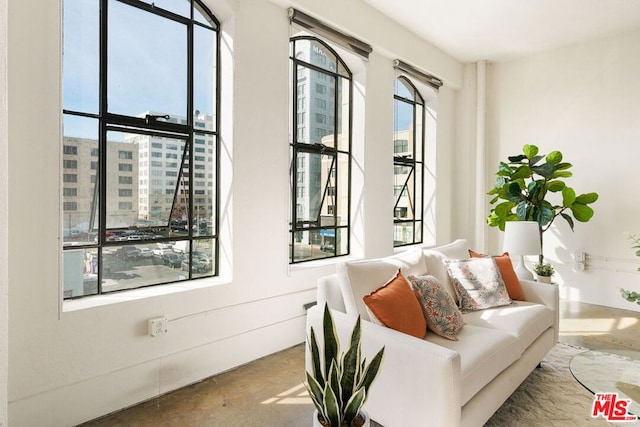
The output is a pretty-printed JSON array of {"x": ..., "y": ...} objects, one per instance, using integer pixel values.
[{"x": 524, "y": 191}]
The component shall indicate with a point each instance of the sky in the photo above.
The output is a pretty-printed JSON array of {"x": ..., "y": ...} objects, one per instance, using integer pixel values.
[{"x": 147, "y": 63}]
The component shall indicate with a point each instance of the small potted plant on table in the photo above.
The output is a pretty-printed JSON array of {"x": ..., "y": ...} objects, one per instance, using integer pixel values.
[{"x": 543, "y": 272}]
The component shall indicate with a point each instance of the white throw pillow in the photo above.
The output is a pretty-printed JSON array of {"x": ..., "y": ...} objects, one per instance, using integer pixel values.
[{"x": 360, "y": 278}]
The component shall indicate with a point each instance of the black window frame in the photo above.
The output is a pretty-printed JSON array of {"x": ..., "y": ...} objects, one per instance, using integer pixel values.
[
  {"x": 298, "y": 227},
  {"x": 152, "y": 126},
  {"x": 415, "y": 163}
]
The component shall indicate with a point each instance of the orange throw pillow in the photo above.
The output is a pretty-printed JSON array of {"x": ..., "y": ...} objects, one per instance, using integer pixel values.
[
  {"x": 508, "y": 274},
  {"x": 396, "y": 307}
]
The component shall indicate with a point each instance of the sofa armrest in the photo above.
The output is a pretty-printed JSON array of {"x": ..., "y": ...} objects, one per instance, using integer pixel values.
[
  {"x": 546, "y": 294},
  {"x": 329, "y": 292},
  {"x": 418, "y": 381}
]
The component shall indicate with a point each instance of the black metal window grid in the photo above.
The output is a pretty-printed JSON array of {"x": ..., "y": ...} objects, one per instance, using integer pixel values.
[
  {"x": 320, "y": 167},
  {"x": 140, "y": 78},
  {"x": 408, "y": 161}
]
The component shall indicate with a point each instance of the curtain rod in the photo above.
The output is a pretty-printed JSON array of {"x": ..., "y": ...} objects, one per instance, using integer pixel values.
[
  {"x": 351, "y": 43},
  {"x": 428, "y": 79}
]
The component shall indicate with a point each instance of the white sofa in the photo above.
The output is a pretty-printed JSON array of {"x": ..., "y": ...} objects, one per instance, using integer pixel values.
[{"x": 436, "y": 381}]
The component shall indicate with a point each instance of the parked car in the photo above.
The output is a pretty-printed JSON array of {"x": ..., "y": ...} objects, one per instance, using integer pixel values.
[
  {"x": 198, "y": 266},
  {"x": 172, "y": 259},
  {"x": 128, "y": 252},
  {"x": 162, "y": 251},
  {"x": 145, "y": 253}
]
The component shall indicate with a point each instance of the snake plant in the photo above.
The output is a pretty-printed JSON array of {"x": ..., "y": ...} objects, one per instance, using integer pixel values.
[{"x": 339, "y": 385}]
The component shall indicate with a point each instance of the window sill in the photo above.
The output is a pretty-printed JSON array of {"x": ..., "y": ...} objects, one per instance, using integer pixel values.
[
  {"x": 321, "y": 263},
  {"x": 139, "y": 294}
]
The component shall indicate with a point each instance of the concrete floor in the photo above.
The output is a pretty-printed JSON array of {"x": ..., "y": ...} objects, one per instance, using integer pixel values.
[{"x": 269, "y": 391}]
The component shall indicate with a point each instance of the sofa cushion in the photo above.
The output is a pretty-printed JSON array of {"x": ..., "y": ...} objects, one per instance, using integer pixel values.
[
  {"x": 484, "y": 353},
  {"x": 433, "y": 258},
  {"x": 395, "y": 306},
  {"x": 509, "y": 276},
  {"x": 439, "y": 308},
  {"x": 524, "y": 320},
  {"x": 477, "y": 283},
  {"x": 360, "y": 278}
]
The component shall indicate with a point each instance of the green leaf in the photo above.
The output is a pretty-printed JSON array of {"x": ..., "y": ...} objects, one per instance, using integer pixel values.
[
  {"x": 530, "y": 150},
  {"x": 535, "y": 160},
  {"x": 568, "y": 196},
  {"x": 522, "y": 210},
  {"x": 371, "y": 371},
  {"x": 522, "y": 172},
  {"x": 563, "y": 166},
  {"x": 554, "y": 157},
  {"x": 582, "y": 213},
  {"x": 331, "y": 408},
  {"x": 354, "y": 405},
  {"x": 587, "y": 198},
  {"x": 545, "y": 170},
  {"x": 543, "y": 215},
  {"x": 562, "y": 174},
  {"x": 555, "y": 186},
  {"x": 517, "y": 159},
  {"x": 568, "y": 219},
  {"x": 504, "y": 169},
  {"x": 316, "y": 394},
  {"x": 315, "y": 358},
  {"x": 515, "y": 192},
  {"x": 331, "y": 344}
]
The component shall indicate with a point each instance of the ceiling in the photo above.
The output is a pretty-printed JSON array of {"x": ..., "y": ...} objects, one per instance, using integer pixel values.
[{"x": 499, "y": 30}]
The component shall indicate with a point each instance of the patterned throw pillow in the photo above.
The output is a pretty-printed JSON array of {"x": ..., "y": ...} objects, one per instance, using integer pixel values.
[
  {"x": 439, "y": 308},
  {"x": 477, "y": 283}
]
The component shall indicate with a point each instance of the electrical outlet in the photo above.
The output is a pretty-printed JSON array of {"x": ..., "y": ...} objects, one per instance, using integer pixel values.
[
  {"x": 579, "y": 256},
  {"x": 158, "y": 326}
]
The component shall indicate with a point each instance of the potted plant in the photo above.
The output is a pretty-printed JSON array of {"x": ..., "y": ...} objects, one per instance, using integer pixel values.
[
  {"x": 523, "y": 188},
  {"x": 339, "y": 384},
  {"x": 632, "y": 296},
  {"x": 543, "y": 272}
]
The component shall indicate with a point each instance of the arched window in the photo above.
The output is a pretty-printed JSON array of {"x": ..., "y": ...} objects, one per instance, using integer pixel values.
[
  {"x": 408, "y": 156},
  {"x": 140, "y": 118},
  {"x": 321, "y": 87}
]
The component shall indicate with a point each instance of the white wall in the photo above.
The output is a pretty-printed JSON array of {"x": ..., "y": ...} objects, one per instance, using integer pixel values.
[
  {"x": 68, "y": 364},
  {"x": 583, "y": 101},
  {"x": 4, "y": 226}
]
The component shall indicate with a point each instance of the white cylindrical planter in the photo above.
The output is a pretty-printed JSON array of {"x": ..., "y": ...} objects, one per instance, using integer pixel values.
[
  {"x": 543, "y": 279},
  {"x": 316, "y": 422}
]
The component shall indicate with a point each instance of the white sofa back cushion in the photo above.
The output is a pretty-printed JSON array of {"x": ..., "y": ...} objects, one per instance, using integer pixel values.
[
  {"x": 360, "y": 278},
  {"x": 434, "y": 257}
]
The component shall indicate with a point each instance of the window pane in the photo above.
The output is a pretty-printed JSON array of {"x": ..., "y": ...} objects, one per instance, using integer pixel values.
[
  {"x": 157, "y": 59},
  {"x": 81, "y": 53},
  {"x": 204, "y": 78},
  {"x": 80, "y": 272},
  {"x": 203, "y": 258},
  {"x": 419, "y": 132},
  {"x": 135, "y": 265},
  {"x": 403, "y": 129},
  {"x": 315, "y": 53},
  {"x": 80, "y": 184},
  {"x": 343, "y": 125},
  {"x": 403, "y": 187},
  {"x": 309, "y": 245},
  {"x": 201, "y": 16},
  {"x": 403, "y": 233},
  {"x": 404, "y": 89},
  {"x": 317, "y": 189}
]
